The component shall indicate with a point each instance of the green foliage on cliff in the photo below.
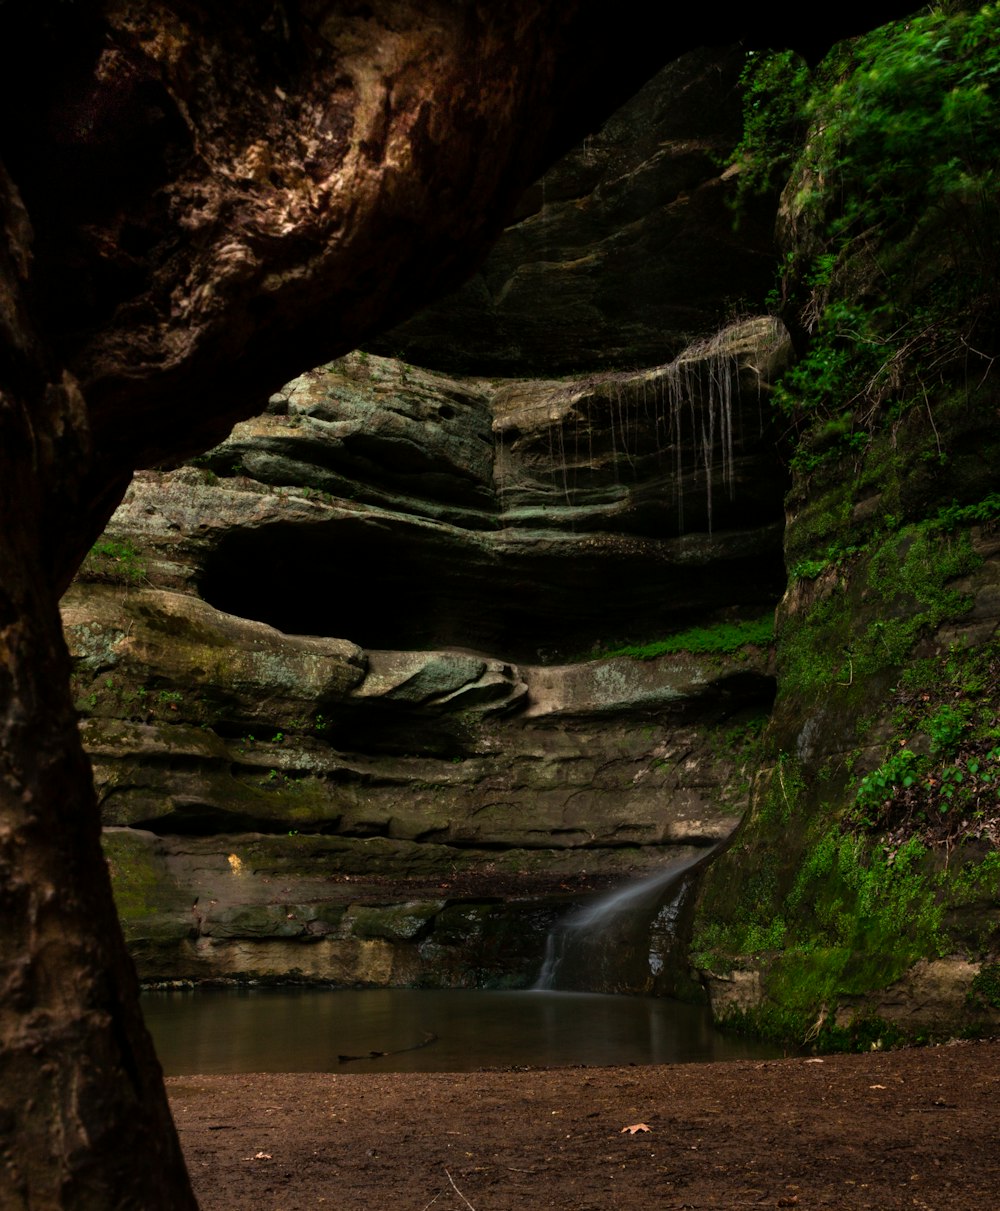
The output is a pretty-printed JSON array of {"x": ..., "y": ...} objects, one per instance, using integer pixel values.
[
  {"x": 940, "y": 779},
  {"x": 721, "y": 639},
  {"x": 907, "y": 576},
  {"x": 776, "y": 87},
  {"x": 851, "y": 918},
  {"x": 905, "y": 117},
  {"x": 837, "y": 884},
  {"x": 898, "y": 188},
  {"x": 873, "y": 839}
]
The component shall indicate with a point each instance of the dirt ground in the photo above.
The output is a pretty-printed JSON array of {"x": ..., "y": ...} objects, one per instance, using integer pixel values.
[{"x": 911, "y": 1128}]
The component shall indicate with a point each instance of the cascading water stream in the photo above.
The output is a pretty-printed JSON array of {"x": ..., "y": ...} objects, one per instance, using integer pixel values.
[
  {"x": 696, "y": 399},
  {"x": 608, "y": 946}
]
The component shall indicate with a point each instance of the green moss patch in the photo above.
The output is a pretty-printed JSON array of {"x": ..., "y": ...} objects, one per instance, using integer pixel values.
[
  {"x": 149, "y": 906},
  {"x": 985, "y": 990},
  {"x": 721, "y": 639}
]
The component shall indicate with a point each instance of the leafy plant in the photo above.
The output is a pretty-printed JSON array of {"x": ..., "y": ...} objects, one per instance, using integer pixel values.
[
  {"x": 954, "y": 515},
  {"x": 775, "y": 88},
  {"x": 945, "y": 728},
  {"x": 876, "y": 788}
]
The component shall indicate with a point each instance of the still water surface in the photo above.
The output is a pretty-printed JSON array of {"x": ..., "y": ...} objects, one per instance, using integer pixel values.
[{"x": 308, "y": 1030}]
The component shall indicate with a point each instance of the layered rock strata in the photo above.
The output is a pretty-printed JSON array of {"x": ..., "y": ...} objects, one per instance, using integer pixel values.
[
  {"x": 326, "y": 675},
  {"x": 624, "y": 252}
]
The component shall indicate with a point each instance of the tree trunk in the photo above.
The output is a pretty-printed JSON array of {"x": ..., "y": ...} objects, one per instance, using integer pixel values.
[{"x": 84, "y": 1121}]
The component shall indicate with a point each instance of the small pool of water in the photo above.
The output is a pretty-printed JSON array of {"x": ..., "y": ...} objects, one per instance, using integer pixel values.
[{"x": 416, "y": 1030}]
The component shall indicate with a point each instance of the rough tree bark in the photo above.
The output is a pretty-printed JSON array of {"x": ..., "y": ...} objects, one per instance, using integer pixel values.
[
  {"x": 197, "y": 201},
  {"x": 83, "y": 1119}
]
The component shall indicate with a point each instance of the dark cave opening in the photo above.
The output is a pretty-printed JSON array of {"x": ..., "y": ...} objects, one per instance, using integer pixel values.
[{"x": 399, "y": 584}]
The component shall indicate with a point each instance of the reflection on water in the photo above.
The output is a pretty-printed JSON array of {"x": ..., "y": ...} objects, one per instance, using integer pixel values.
[{"x": 308, "y": 1030}]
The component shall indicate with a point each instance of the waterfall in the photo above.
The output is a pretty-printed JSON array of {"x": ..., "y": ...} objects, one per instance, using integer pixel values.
[
  {"x": 617, "y": 943},
  {"x": 694, "y": 397},
  {"x": 705, "y": 377}
]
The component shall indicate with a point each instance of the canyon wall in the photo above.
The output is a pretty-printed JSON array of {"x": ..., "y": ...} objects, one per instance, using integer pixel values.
[
  {"x": 860, "y": 902},
  {"x": 422, "y": 657},
  {"x": 272, "y": 772}
]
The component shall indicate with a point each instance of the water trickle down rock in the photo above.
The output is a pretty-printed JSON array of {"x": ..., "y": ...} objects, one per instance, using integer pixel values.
[
  {"x": 669, "y": 438},
  {"x": 623, "y": 940}
]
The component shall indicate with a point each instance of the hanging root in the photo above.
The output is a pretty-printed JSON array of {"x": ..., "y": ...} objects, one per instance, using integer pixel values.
[{"x": 812, "y": 1033}]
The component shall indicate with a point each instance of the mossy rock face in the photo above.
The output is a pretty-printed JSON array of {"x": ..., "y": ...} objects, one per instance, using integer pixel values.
[
  {"x": 830, "y": 904},
  {"x": 984, "y": 992},
  {"x": 395, "y": 922},
  {"x": 155, "y": 910},
  {"x": 863, "y": 886}
]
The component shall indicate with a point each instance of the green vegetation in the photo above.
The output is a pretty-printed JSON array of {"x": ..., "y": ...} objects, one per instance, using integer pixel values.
[
  {"x": 723, "y": 638},
  {"x": 985, "y": 988},
  {"x": 904, "y": 573},
  {"x": 837, "y": 897},
  {"x": 941, "y": 779},
  {"x": 898, "y": 184},
  {"x": 854, "y": 918},
  {"x": 776, "y": 87},
  {"x": 117, "y": 562},
  {"x": 950, "y": 517},
  {"x": 134, "y": 877},
  {"x": 905, "y": 118}
]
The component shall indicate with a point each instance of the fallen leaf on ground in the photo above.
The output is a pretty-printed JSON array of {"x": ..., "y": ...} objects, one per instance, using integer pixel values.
[
  {"x": 636, "y": 1127},
  {"x": 876, "y": 1086}
]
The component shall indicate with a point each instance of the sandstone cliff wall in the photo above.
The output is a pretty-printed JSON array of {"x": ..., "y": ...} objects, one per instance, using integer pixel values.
[{"x": 289, "y": 796}]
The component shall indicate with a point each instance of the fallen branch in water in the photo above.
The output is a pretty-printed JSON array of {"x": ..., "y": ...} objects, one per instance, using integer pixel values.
[{"x": 429, "y": 1038}]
